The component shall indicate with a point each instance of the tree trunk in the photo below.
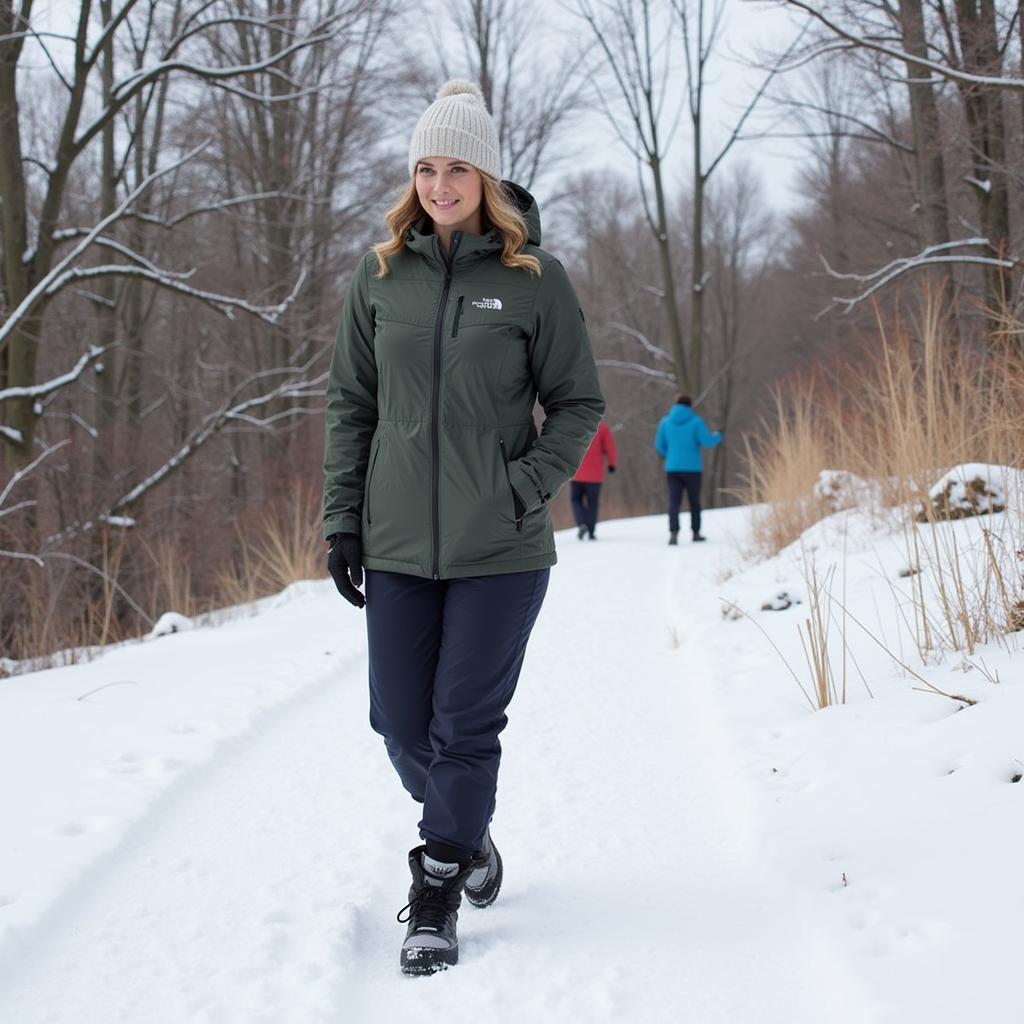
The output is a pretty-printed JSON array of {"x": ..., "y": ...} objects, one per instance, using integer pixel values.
[
  {"x": 675, "y": 327},
  {"x": 104, "y": 397},
  {"x": 932, "y": 209},
  {"x": 17, "y": 358},
  {"x": 979, "y": 43},
  {"x": 697, "y": 266}
]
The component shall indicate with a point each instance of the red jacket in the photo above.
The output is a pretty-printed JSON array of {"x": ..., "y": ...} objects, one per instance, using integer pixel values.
[{"x": 602, "y": 448}]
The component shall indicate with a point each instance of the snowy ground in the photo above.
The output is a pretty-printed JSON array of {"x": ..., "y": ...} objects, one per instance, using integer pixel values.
[{"x": 217, "y": 836}]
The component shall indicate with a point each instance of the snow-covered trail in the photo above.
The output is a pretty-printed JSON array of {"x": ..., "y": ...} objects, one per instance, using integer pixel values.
[{"x": 263, "y": 886}]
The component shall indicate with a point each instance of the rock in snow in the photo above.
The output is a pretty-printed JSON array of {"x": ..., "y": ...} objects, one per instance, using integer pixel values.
[
  {"x": 171, "y": 622},
  {"x": 974, "y": 489}
]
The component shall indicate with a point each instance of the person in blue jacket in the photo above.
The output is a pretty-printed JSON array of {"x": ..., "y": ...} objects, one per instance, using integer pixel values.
[{"x": 681, "y": 436}]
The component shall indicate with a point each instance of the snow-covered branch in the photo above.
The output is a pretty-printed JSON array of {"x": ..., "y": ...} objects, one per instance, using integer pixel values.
[
  {"x": 214, "y": 422},
  {"x": 655, "y": 350},
  {"x": 225, "y": 304},
  {"x": 124, "y": 90},
  {"x": 15, "y": 479},
  {"x": 230, "y": 411},
  {"x": 646, "y": 371},
  {"x": 896, "y": 53},
  {"x": 934, "y": 255},
  {"x": 41, "y": 390},
  {"x": 66, "y": 234},
  {"x": 20, "y": 474},
  {"x": 43, "y": 286}
]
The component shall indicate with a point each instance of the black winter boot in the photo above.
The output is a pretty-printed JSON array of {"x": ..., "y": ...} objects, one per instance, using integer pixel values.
[
  {"x": 698, "y": 537},
  {"x": 484, "y": 882},
  {"x": 673, "y": 538},
  {"x": 431, "y": 943}
]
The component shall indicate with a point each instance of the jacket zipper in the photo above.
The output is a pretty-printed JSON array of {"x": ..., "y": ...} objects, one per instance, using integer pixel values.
[
  {"x": 435, "y": 400},
  {"x": 369, "y": 480},
  {"x": 458, "y": 314},
  {"x": 504, "y": 462}
]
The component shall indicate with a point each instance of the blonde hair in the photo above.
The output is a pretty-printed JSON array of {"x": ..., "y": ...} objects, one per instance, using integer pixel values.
[{"x": 496, "y": 209}]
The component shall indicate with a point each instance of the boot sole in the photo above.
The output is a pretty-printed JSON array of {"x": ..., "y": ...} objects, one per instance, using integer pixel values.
[
  {"x": 426, "y": 960},
  {"x": 487, "y": 894}
]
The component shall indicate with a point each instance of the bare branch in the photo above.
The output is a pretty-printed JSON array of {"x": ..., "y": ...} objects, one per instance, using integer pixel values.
[
  {"x": 926, "y": 258},
  {"x": 646, "y": 371},
  {"x": 656, "y": 351},
  {"x": 43, "y": 286},
  {"x": 211, "y": 424},
  {"x": 41, "y": 390},
  {"x": 896, "y": 53},
  {"x": 20, "y": 474},
  {"x": 225, "y": 304}
]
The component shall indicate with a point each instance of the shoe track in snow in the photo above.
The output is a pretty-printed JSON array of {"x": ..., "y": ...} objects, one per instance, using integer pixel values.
[{"x": 264, "y": 888}]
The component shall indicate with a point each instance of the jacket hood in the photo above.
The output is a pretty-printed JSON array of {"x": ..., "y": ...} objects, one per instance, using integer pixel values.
[
  {"x": 420, "y": 238},
  {"x": 680, "y": 414},
  {"x": 527, "y": 206}
]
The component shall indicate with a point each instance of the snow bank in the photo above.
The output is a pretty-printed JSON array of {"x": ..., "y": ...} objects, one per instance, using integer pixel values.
[{"x": 840, "y": 489}]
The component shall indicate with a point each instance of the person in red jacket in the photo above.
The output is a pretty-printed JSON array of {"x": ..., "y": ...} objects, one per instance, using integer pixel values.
[{"x": 586, "y": 484}]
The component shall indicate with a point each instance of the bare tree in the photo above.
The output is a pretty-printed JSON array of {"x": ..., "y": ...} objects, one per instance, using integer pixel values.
[
  {"x": 532, "y": 84},
  {"x": 303, "y": 143},
  {"x": 965, "y": 47},
  {"x": 636, "y": 42},
  {"x": 742, "y": 242},
  {"x": 34, "y": 270},
  {"x": 701, "y": 22}
]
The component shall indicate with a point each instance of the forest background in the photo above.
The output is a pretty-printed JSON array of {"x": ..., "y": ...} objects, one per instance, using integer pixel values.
[{"x": 748, "y": 197}]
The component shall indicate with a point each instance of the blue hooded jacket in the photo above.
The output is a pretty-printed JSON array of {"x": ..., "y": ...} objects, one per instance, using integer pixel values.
[{"x": 681, "y": 435}]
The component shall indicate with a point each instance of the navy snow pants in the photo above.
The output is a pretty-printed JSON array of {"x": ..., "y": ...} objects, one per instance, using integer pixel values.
[
  {"x": 444, "y": 661},
  {"x": 585, "y": 499},
  {"x": 677, "y": 483}
]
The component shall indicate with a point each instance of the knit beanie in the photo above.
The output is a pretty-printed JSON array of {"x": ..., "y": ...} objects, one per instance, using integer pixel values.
[{"x": 457, "y": 125}]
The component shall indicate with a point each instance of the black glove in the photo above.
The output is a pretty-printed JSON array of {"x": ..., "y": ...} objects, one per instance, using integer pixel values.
[
  {"x": 345, "y": 564},
  {"x": 611, "y": 469}
]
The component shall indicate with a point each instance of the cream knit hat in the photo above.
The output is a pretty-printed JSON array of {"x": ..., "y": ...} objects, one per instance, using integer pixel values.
[{"x": 458, "y": 126}]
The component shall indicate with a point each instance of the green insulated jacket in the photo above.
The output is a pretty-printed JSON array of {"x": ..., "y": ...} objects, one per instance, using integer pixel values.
[{"x": 432, "y": 454}]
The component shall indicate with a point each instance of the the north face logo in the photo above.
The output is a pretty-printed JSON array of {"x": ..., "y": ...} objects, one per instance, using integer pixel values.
[{"x": 487, "y": 303}]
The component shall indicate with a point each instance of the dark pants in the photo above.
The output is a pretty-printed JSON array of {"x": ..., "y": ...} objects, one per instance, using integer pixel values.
[
  {"x": 677, "y": 483},
  {"x": 444, "y": 661},
  {"x": 585, "y": 498}
]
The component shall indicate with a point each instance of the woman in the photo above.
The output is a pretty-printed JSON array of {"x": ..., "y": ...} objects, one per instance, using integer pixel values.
[
  {"x": 585, "y": 489},
  {"x": 438, "y": 484}
]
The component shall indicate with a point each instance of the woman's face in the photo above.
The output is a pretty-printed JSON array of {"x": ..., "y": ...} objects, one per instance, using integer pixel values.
[{"x": 451, "y": 192}]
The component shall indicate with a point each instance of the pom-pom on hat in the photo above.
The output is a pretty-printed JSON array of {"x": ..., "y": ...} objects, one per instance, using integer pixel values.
[{"x": 457, "y": 125}]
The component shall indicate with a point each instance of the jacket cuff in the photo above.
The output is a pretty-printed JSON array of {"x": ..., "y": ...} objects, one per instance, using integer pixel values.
[
  {"x": 527, "y": 486},
  {"x": 344, "y": 523}
]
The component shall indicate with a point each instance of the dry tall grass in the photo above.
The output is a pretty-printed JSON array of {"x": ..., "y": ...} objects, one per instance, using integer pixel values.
[
  {"x": 121, "y": 583},
  {"x": 279, "y": 546},
  {"x": 899, "y": 416},
  {"x": 783, "y": 467}
]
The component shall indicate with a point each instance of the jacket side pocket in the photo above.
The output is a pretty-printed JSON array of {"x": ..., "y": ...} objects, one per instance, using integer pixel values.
[
  {"x": 518, "y": 508},
  {"x": 369, "y": 480}
]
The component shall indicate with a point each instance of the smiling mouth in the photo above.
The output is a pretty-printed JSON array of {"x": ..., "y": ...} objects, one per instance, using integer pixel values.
[{"x": 444, "y": 204}]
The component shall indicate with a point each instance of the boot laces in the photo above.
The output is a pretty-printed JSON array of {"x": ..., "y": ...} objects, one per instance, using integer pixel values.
[{"x": 430, "y": 907}]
